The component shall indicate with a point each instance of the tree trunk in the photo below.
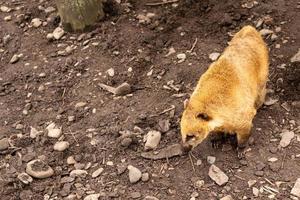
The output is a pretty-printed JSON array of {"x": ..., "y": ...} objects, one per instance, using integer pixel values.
[{"x": 79, "y": 15}]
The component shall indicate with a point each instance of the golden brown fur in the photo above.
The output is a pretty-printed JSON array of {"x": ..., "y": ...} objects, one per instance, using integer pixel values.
[{"x": 229, "y": 92}]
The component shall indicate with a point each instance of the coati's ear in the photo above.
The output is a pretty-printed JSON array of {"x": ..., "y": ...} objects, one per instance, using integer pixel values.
[{"x": 185, "y": 103}]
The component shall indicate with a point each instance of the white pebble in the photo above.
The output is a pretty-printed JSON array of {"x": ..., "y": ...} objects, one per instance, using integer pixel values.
[
  {"x": 153, "y": 139},
  {"x": 134, "y": 174},
  {"x": 217, "y": 175},
  {"x": 97, "y": 172},
  {"x": 214, "y": 56},
  {"x": 61, "y": 145}
]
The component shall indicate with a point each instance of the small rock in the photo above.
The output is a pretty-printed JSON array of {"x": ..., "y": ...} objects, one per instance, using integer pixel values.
[
  {"x": 228, "y": 197},
  {"x": 167, "y": 152},
  {"x": 164, "y": 125},
  {"x": 110, "y": 72},
  {"x": 251, "y": 183},
  {"x": 265, "y": 32},
  {"x": 97, "y": 172},
  {"x": 134, "y": 174},
  {"x": 71, "y": 160},
  {"x": 296, "y": 189},
  {"x": 273, "y": 159},
  {"x": 273, "y": 150},
  {"x": 36, "y": 22},
  {"x": 14, "y": 59},
  {"x": 54, "y": 131},
  {"x": 199, "y": 162},
  {"x": 269, "y": 101},
  {"x": 4, "y": 144},
  {"x": 255, "y": 191},
  {"x": 259, "y": 173},
  {"x": 92, "y": 197},
  {"x": 61, "y": 145},
  {"x": 71, "y": 118},
  {"x": 199, "y": 184},
  {"x": 80, "y": 104},
  {"x": 150, "y": 198},
  {"x": 214, "y": 56},
  {"x": 78, "y": 173},
  {"x": 50, "y": 9},
  {"x": 126, "y": 142},
  {"x": 274, "y": 37},
  {"x": 286, "y": 138},
  {"x": 135, "y": 195},
  {"x": 19, "y": 126},
  {"x": 153, "y": 139},
  {"x": 121, "y": 90},
  {"x": 5, "y": 9},
  {"x": 211, "y": 159},
  {"x": 260, "y": 165},
  {"x": 145, "y": 177},
  {"x": 39, "y": 169},
  {"x": 58, "y": 33},
  {"x": 8, "y": 18},
  {"x": 296, "y": 57},
  {"x": 33, "y": 132},
  {"x": 109, "y": 163},
  {"x": 25, "y": 178},
  {"x": 217, "y": 175},
  {"x": 181, "y": 57},
  {"x": 50, "y": 36}
]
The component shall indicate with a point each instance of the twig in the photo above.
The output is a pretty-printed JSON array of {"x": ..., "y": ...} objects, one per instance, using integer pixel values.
[
  {"x": 282, "y": 163},
  {"x": 73, "y": 136},
  {"x": 193, "y": 47},
  {"x": 241, "y": 178},
  {"x": 161, "y": 3},
  {"x": 167, "y": 110},
  {"x": 269, "y": 182},
  {"x": 192, "y": 162}
]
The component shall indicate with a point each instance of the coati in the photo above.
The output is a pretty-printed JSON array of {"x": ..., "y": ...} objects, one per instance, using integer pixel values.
[{"x": 229, "y": 93}]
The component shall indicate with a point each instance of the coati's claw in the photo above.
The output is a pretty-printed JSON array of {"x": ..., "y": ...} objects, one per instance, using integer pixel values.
[{"x": 241, "y": 153}]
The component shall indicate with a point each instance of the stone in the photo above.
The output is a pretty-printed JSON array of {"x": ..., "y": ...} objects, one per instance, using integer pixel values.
[
  {"x": 5, "y": 9},
  {"x": 211, "y": 159},
  {"x": 97, "y": 172},
  {"x": 260, "y": 165},
  {"x": 78, "y": 173},
  {"x": 54, "y": 131},
  {"x": 153, "y": 139},
  {"x": 25, "y": 178},
  {"x": 92, "y": 197},
  {"x": 71, "y": 118},
  {"x": 296, "y": 57},
  {"x": 8, "y": 18},
  {"x": 259, "y": 173},
  {"x": 135, "y": 195},
  {"x": 134, "y": 174},
  {"x": 286, "y": 137},
  {"x": 228, "y": 197},
  {"x": 36, "y": 22},
  {"x": 265, "y": 32},
  {"x": 269, "y": 101},
  {"x": 33, "y": 132},
  {"x": 150, "y": 198},
  {"x": 58, "y": 33},
  {"x": 214, "y": 56},
  {"x": 14, "y": 59},
  {"x": 255, "y": 191},
  {"x": 71, "y": 160},
  {"x": 110, "y": 72},
  {"x": 61, "y": 145},
  {"x": 251, "y": 183},
  {"x": 164, "y": 125},
  {"x": 121, "y": 90},
  {"x": 126, "y": 142},
  {"x": 145, "y": 177},
  {"x": 50, "y": 9},
  {"x": 4, "y": 144},
  {"x": 80, "y": 104},
  {"x": 273, "y": 159},
  {"x": 217, "y": 175},
  {"x": 39, "y": 169},
  {"x": 296, "y": 189},
  {"x": 181, "y": 57}
]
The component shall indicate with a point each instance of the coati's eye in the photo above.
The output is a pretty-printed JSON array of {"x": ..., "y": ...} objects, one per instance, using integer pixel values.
[{"x": 203, "y": 116}]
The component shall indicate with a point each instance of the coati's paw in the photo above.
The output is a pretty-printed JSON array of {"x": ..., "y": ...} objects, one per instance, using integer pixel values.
[
  {"x": 241, "y": 153},
  {"x": 217, "y": 140}
]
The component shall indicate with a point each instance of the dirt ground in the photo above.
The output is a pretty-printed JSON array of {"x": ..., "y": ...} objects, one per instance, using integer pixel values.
[{"x": 46, "y": 83}]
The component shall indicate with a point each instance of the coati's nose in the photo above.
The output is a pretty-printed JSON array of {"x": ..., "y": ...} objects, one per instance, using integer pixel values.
[{"x": 186, "y": 145}]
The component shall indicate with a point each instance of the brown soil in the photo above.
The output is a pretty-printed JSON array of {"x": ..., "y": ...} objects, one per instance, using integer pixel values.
[{"x": 124, "y": 43}]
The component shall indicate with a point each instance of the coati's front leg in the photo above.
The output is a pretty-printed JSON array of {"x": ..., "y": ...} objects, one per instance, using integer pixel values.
[
  {"x": 242, "y": 136},
  {"x": 261, "y": 97}
]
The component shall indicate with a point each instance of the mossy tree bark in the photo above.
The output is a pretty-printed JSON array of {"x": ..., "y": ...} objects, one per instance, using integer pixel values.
[{"x": 79, "y": 15}]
